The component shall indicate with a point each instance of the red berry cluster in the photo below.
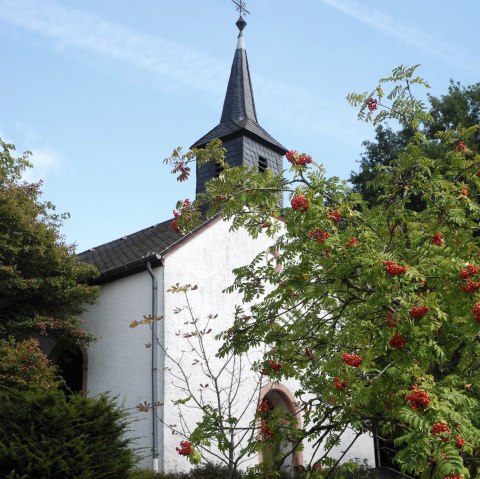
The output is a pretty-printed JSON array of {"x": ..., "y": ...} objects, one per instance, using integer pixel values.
[
  {"x": 352, "y": 360},
  {"x": 461, "y": 146},
  {"x": 440, "y": 428},
  {"x": 470, "y": 270},
  {"x": 437, "y": 239},
  {"x": 299, "y": 203},
  {"x": 390, "y": 321},
  {"x": 274, "y": 365},
  {"x": 174, "y": 226},
  {"x": 334, "y": 215},
  {"x": 453, "y": 475},
  {"x": 353, "y": 242},
  {"x": 394, "y": 269},
  {"x": 470, "y": 286},
  {"x": 372, "y": 104},
  {"x": 265, "y": 429},
  {"x": 309, "y": 354},
  {"x": 397, "y": 342},
  {"x": 298, "y": 159},
  {"x": 185, "y": 209},
  {"x": 418, "y": 312},
  {"x": 339, "y": 384},
  {"x": 320, "y": 236},
  {"x": 265, "y": 406},
  {"x": 459, "y": 442},
  {"x": 185, "y": 449},
  {"x": 476, "y": 311},
  {"x": 418, "y": 398},
  {"x": 464, "y": 191}
]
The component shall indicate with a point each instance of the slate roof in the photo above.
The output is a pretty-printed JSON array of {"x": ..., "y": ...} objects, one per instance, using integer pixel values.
[
  {"x": 239, "y": 115},
  {"x": 124, "y": 255},
  {"x": 245, "y": 126}
]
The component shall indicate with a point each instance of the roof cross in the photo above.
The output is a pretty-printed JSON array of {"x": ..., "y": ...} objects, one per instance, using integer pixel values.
[{"x": 241, "y": 7}]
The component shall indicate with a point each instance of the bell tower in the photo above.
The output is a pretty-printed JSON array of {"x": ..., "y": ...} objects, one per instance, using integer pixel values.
[{"x": 245, "y": 141}]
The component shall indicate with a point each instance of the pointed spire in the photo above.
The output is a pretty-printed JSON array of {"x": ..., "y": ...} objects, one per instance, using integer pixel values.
[
  {"x": 239, "y": 103},
  {"x": 241, "y": 24}
]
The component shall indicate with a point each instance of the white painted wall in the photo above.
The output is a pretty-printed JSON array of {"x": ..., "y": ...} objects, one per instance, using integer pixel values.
[{"x": 120, "y": 363}]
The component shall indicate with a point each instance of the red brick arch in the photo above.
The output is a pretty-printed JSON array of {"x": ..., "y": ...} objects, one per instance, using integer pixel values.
[{"x": 291, "y": 403}]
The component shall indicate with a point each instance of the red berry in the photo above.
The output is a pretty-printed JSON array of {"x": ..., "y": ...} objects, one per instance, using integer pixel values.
[
  {"x": 265, "y": 429},
  {"x": 264, "y": 406},
  {"x": 174, "y": 226},
  {"x": 352, "y": 242},
  {"x": 298, "y": 159},
  {"x": 309, "y": 354},
  {"x": 299, "y": 203},
  {"x": 319, "y": 236},
  {"x": 390, "y": 321},
  {"x": 437, "y": 239},
  {"x": 419, "y": 312},
  {"x": 470, "y": 286},
  {"x": 397, "y": 342},
  {"x": 372, "y": 104},
  {"x": 334, "y": 215},
  {"x": 470, "y": 270},
  {"x": 394, "y": 269},
  {"x": 440, "y": 429},
  {"x": 185, "y": 449},
  {"x": 352, "y": 360},
  {"x": 339, "y": 384},
  {"x": 418, "y": 398},
  {"x": 476, "y": 311},
  {"x": 274, "y": 365}
]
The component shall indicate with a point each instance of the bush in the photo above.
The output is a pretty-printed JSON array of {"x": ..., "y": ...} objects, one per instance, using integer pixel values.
[
  {"x": 206, "y": 471},
  {"x": 49, "y": 434}
]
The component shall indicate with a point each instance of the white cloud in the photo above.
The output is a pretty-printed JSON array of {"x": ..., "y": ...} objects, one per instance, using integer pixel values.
[
  {"x": 72, "y": 28},
  {"x": 45, "y": 162},
  {"x": 415, "y": 38},
  {"x": 162, "y": 60}
]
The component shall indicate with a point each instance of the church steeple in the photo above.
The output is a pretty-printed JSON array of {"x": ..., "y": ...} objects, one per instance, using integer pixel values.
[
  {"x": 245, "y": 141},
  {"x": 239, "y": 103}
]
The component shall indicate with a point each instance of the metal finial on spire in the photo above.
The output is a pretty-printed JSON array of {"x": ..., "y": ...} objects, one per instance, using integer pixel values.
[{"x": 241, "y": 7}]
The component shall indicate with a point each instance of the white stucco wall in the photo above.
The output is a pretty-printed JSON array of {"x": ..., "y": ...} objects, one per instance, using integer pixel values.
[{"x": 120, "y": 363}]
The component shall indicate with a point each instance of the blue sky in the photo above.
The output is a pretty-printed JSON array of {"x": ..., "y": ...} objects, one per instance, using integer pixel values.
[{"x": 102, "y": 91}]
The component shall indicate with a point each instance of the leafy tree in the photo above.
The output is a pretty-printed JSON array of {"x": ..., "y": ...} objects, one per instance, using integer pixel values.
[
  {"x": 460, "y": 106},
  {"x": 375, "y": 310},
  {"x": 43, "y": 287}
]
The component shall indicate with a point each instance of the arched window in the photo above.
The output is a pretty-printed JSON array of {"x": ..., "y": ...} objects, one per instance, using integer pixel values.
[
  {"x": 279, "y": 396},
  {"x": 72, "y": 367}
]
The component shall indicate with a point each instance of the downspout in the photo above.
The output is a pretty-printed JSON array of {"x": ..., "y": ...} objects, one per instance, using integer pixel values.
[{"x": 154, "y": 367}]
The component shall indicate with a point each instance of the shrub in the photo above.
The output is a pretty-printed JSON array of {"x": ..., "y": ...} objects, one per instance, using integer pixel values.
[
  {"x": 49, "y": 434},
  {"x": 205, "y": 471}
]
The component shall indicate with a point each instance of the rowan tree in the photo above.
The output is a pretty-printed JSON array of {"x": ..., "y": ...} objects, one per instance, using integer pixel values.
[
  {"x": 459, "y": 106},
  {"x": 375, "y": 310}
]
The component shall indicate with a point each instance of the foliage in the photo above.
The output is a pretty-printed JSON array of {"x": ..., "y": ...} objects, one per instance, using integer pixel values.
[
  {"x": 460, "y": 106},
  {"x": 23, "y": 365},
  {"x": 42, "y": 284},
  {"x": 47, "y": 434},
  {"x": 222, "y": 392},
  {"x": 375, "y": 309},
  {"x": 206, "y": 471}
]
